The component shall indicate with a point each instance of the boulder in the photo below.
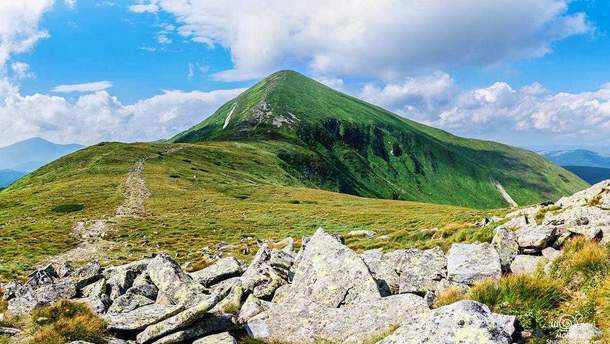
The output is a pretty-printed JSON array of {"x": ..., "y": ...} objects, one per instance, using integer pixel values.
[
  {"x": 142, "y": 317},
  {"x": 526, "y": 264},
  {"x": 87, "y": 274},
  {"x": 304, "y": 321},
  {"x": 207, "y": 325},
  {"x": 422, "y": 270},
  {"x": 461, "y": 322},
  {"x": 220, "y": 338},
  {"x": 505, "y": 242},
  {"x": 583, "y": 333},
  {"x": 120, "y": 278},
  {"x": 175, "y": 286},
  {"x": 251, "y": 308},
  {"x": 331, "y": 274},
  {"x": 385, "y": 269},
  {"x": 222, "y": 269},
  {"x": 281, "y": 259},
  {"x": 29, "y": 297},
  {"x": 182, "y": 319},
  {"x": 551, "y": 254},
  {"x": 468, "y": 263},
  {"x": 96, "y": 295},
  {"x": 261, "y": 278},
  {"x": 128, "y": 302},
  {"x": 532, "y": 239}
]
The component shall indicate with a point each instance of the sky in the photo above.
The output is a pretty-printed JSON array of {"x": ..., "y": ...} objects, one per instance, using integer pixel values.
[{"x": 530, "y": 73}]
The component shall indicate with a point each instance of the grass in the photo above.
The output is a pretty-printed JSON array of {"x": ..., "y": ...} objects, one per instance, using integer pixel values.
[
  {"x": 449, "y": 296},
  {"x": 68, "y": 208},
  {"x": 226, "y": 191},
  {"x": 539, "y": 217}
]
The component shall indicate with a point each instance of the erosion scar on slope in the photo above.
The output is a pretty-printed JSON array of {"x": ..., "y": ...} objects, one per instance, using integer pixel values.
[{"x": 505, "y": 195}]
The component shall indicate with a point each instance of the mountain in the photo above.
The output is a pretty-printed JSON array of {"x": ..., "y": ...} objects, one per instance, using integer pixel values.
[
  {"x": 271, "y": 169},
  {"x": 337, "y": 142},
  {"x": 591, "y": 175},
  {"x": 28, "y": 155},
  {"x": 7, "y": 177},
  {"x": 577, "y": 157}
]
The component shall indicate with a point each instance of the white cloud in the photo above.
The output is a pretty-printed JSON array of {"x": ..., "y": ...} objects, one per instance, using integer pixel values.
[
  {"x": 86, "y": 87},
  {"x": 19, "y": 29},
  {"x": 150, "y": 8},
  {"x": 21, "y": 70},
  {"x": 163, "y": 39},
  {"x": 375, "y": 38},
  {"x": 99, "y": 116},
  {"x": 70, "y": 3}
]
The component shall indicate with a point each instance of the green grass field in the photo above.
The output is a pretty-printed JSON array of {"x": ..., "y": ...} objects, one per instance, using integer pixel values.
[{"x": 202, "y": 194}]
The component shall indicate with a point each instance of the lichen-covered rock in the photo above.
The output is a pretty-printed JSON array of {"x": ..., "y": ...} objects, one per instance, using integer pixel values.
[
  {"x": 222, "y": 269},
  {"x": 261, "y": 278},
  {"x": 251, "y": 308},
  {"x": 175, "y": 286},
  {"x": 461, "y": 322},
  {"x": 120, "y": 278},
  {"x": 583, "y": 333},
  {"x": 551, "y": 254},
  {"x": 505, "y": 242},
  {"x": 128, "y": 302},
  {"x": 142, "y": 317},
  {"x": 597, "y": 194},
  {"x": 385, "y": 270},
  {"x": 182, "y": 319},
  {"x": 422, "y": 270},
  {"x": 468, "y": 263},
  {"x": 28, "y": 297},
  {"x": 533, "y": 239},
  {"x": 526, "y": 264},
  {"x": 220, "y": 338},
  {"x": 331, "y": 274},
  {"x": 303, "y": 321},
  {"x": 207, "y": 325}
]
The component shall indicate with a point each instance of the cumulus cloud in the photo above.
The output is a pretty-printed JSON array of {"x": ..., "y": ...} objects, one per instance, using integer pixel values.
[
  {"x": 19, "y": 29},
  {"x": 379, "y": 38},
  {"x": 70, "y": 3},
  {"x": 140, "y": 8},
  {"x": 21, "y": 70},
  {"x": 86, "y": 87},
  {"x": 99, "y": 116}
]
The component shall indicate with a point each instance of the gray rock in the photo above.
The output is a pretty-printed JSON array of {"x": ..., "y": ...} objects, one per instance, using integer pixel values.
[
  {"x": 9, "y": 331},
  {"x": 551, "y": 254},
  {"x": 281, "y": 259},
  {"x": 222, "y": 269},
  {"x": 331, "y": 274},
  {"x": 260, "y": 277},
  {"x": 589, "y": 232},
  {"x": 508, "y": 324},
  {"x": 303, "y": 321},
  {"x": 207, "y": 325},
  {"x": 175, "y": 286},
  {"x": 385, "y": 269},
  {"x": 584, "y": 333},
  {"x": 120, "y": 278},
  {"x": 31, "y": 297},
  {"x": 461, "y": 322},
  {"x": 422, "y": 270},
  {"x": 468, "y": 263},
  {"x": 526, "y": 264},
  {"x": 10, "y": 289},
  {"x": 142, "y": 317},
  {"x": 251, "y": 308},
  {"x": 87, "y": 274},
  {"x": 128, "y": 302},
  {"x": 533, "y": 239},
  {"x": 44, "y": 276},
  {"x": 220, "y": 338},
  {"x": 281, "y": 294},
  {"x": 505, "y": 242},
  {"x": 182, "y": 319},
  {"x": 362, "y": 232}
]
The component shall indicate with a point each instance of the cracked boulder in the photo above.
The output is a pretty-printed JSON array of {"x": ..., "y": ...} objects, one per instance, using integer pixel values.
[
  {"x": 533, "y": 239},
  {"x": 422, "y": 270},
  {"x": 505, "y": 242}
]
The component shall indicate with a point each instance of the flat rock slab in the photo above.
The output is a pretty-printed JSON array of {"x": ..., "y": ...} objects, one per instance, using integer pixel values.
[
  {"x": 207, "y": 325},
  {"x": 422, "y": 270},
  {"x": 526, "y": 264},
  {"x": 220, "y": 338},
  {"x": 142, "y": 317},
  {"x": 222, "y": 269},
  {"x": 468, "y": 263},
  {"x": 535, "y": 238},
  {"x": 461, "y": 322},
  {"x": 331, "y": 274},
  {"x": 303, "y": 321}
]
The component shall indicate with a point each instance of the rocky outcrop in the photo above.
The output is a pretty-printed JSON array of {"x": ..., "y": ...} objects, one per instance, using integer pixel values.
[{"x": 468, "y": 263}]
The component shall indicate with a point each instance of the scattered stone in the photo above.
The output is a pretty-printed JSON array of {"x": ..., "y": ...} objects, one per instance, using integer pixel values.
[
  {"x": 142, "y": 317},
  {"x": 505, "y": 242},
  {"x": 468, "y": 263},
  {"x": 361, "y": 232},
  {"x": 583, "y": 333},
  {"x": 532, "y": 239},
  {"x": 527, "y": 264},
  {"x": 331, "y": 274},
  {"x": 422, "y": 270},
  {"x": 175, "y": 286},
  {"x": 304, "y": 321},
  {"x": 29, "y": 297},
  {"x": 220, "y": 338},
  {"x": 551, "y": 254},
  {"x": 461, "y": 322},
  {"x": 9, "y": 331},
  {"x": 224, "y": 268}
]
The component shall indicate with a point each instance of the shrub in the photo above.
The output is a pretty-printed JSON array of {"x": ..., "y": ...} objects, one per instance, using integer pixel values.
[
  {"x": 68, "y": 208},
  {"x": 67, "y": 321},
  {"x": 531, "y": 298}
]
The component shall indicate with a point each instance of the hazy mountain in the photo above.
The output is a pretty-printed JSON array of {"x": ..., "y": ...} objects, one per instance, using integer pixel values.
[
  {"x": 577, "y": 157},
  {"x": 28, "y": 155}
]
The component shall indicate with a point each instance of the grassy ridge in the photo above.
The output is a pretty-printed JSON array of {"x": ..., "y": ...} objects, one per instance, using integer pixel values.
[
  {"x": 344, "y": 144},
  {"x": 201, "y": 195}
]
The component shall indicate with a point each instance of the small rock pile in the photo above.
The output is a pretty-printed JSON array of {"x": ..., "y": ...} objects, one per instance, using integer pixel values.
[{"x": 325, "y": 291}]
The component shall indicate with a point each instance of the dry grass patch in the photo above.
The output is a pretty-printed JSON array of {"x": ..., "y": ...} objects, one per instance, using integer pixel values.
[{"x": 448, "y": 296}]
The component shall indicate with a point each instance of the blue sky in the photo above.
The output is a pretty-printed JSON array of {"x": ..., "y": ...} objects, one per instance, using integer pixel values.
[{"x": 531, "y": 73}]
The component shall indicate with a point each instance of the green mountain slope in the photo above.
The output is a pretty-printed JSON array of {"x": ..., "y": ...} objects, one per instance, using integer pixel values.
[{"x": 337, "y": 142}]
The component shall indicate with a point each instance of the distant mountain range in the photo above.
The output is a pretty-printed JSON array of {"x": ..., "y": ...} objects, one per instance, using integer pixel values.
[
  {"x": 591, "y": 166},
  {"x": 26, "y": 156}
]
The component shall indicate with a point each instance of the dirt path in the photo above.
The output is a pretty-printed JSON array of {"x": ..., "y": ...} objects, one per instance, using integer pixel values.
[{"x": 92, "y": 233}]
